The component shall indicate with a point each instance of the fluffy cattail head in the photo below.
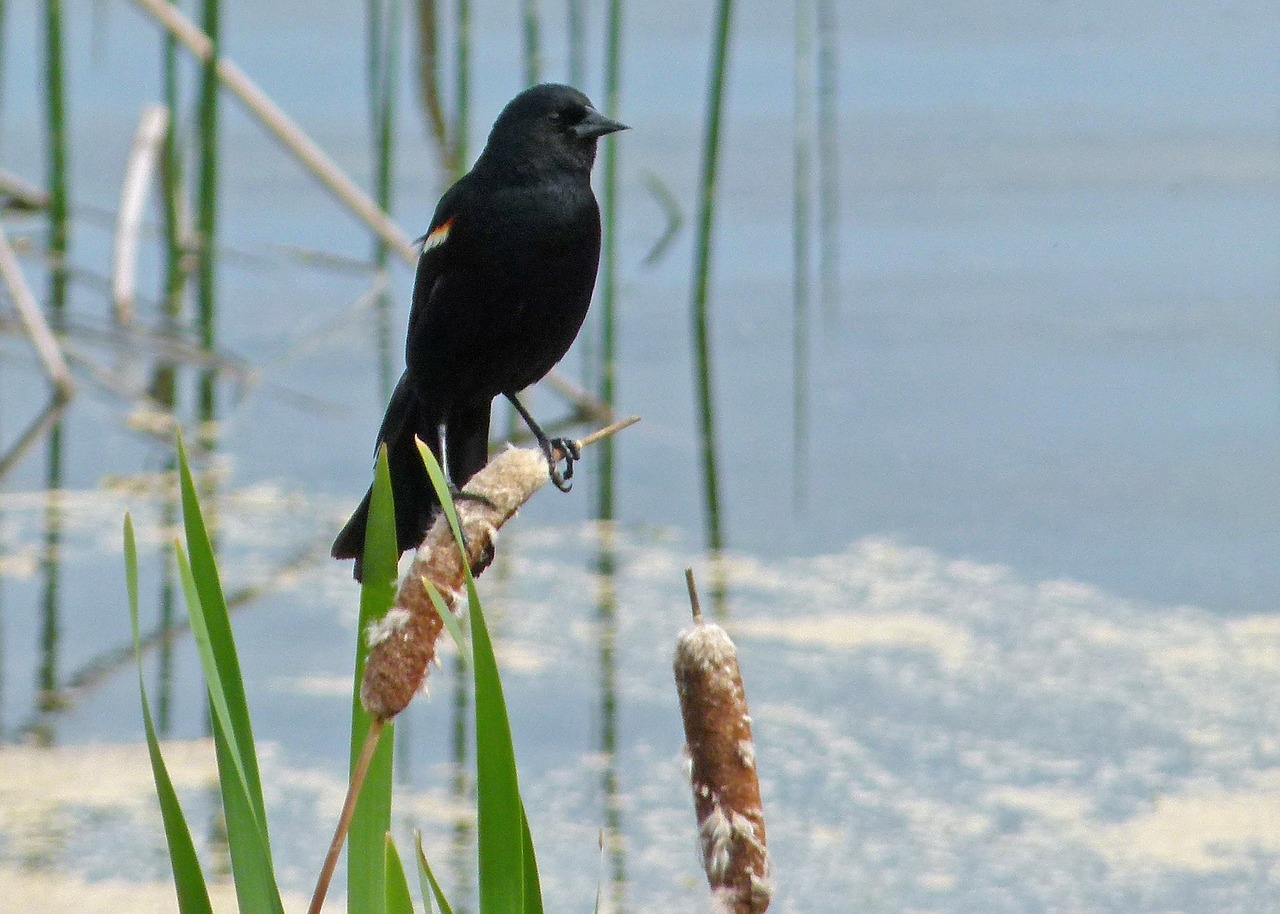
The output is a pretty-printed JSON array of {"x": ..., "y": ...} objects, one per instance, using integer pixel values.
[{"x": 722, "y": 769}]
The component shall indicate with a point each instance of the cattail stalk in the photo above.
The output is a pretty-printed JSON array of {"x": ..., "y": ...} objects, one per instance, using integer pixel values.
[
  {"x": 722, "y": 774},
  {"x": 402, "y": 643}
]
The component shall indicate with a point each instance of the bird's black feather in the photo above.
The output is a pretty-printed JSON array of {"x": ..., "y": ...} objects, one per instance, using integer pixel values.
[{"x": 502, "y": 287}]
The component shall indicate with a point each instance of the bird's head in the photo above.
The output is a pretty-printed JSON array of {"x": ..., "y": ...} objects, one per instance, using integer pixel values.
[{"x": 547, "y": 126}]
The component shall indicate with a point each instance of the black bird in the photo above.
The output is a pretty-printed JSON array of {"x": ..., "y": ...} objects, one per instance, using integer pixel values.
[{"x": 503, "y": 284}]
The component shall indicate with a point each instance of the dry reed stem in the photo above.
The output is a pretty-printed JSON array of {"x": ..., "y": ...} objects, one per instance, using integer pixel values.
[
  {"x": 292, "y": 137},
  {"x": 726, "y": 789},
  {"x": 133, "y": 200},
  {"x": 284, "y": 129},
  {"x": 32, "y": 320},
  {"x": 20, "y": 194},
  {"x": 403, "y": 642}
]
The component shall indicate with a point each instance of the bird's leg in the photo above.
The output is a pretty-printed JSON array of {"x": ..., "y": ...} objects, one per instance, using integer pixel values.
[
  {"x": 549, "y": 446},
  {"x": 458, "y": 495}
]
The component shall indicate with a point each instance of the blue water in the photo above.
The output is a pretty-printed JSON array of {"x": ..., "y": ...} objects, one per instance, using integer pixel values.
[{"x": 1055, "y": 351}]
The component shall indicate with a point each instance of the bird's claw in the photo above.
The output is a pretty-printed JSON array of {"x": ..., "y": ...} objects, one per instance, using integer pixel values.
[
  {"x": 486, "y": 554},
  {"x": 569, "y": 450}
]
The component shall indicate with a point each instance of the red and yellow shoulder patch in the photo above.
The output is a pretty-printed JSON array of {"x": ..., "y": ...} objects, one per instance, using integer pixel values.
[{"x": 437, "y": 235}]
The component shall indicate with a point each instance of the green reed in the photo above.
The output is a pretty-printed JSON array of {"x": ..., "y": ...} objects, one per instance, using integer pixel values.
[
  {"x": 607, "y": 619},
  {"x": 827, "y": 73},
  {"x": 700, "y": 304},
  {"x": 383, "y": 22},
  {"x": 56, "y": 136},
  {"x": 609, "y": 252},
  {"x": 207, "y": 199},
  {"x": 801, "y": 242},
  {"x": 576, "y": 30},
  {"x": 3, "y": 20},
  {"x": 461, "y": 87},
  {"x": 428, "y": 73},
  {"x": 531, "y": 41}
]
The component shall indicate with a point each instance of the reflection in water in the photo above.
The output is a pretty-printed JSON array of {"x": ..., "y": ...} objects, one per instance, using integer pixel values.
[
  {"x": 606, "y": 560},
  {"x": 802, "y": 193},
  {"x": 207, "y": 202},
  {"x": 164, "y": 667},
  {"x": 57, "y": 150},
  {"x": 531, "y": 43},
  {"x": 37, "y": 429},
  {"x": 815, "y": 149},
  {"x": 383, "y": 23},
  {"x": 428, "y": 71},
  {"x": 576, "y": 28},
  {"x": 607, "y": 618},
  {"x": 47, "y": 673},
  {"x": 702, "y": 279},
  {"x": 462, "y": 848},
  {"x": 461, "y": 88},
  {"x": 827, "y": 77}
]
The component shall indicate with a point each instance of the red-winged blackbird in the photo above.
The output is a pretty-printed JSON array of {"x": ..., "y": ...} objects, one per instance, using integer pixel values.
[{"x": 503, "y": 284}]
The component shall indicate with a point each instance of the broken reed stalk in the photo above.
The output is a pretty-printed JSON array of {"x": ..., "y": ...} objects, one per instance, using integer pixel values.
[
  {"x": 15, "y": 193},
  {"x": 309, "y": 153},
  {"x": 402, "y": 643},
  {"x": 722, "y": 773},
  {"x": 147, "y": 143},
  {"x": 33, "y": 321},
  {"x": 284, "y": 129}
]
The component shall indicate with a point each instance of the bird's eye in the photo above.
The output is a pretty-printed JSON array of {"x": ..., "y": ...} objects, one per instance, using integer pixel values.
[{"x": 555, "y": 117}]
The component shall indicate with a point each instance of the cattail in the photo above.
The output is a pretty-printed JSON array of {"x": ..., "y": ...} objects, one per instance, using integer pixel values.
[
  {"x": 403, "y": 642},
  {"x": 722, "y": 773}
]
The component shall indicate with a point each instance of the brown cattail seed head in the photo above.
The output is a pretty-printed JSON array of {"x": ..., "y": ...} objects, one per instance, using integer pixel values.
[
  {"x": 403, "y": 642},
  {"x": 726, "y": 790}
]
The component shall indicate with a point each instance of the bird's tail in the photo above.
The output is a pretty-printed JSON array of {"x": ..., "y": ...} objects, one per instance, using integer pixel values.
[
  {"x": 414, "y": 497},
  {"x": 411, "y": 490}
]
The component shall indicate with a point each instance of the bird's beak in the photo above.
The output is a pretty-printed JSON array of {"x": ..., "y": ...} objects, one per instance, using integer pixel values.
[{"x": 596, "y": 124}]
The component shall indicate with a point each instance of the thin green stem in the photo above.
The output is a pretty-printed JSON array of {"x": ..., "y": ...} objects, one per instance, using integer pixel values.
[
  {"x": 828, "y": 159},
  {"x": 171, "y": 183},
  {"x": 802, "y": 193},
  {"x": 429, "y": 79},
  {"x": 384, "y": 64},
  {"x": 56, "y": 122},
  {"x": 702, "y": 276},
  {"x": 609, "y": 252},
  {"x": 531, "y": 40},
  {"x": 207, "y": 200},
  {"x": 462, "y": 88},
  {"x": 577, "y": 29}
]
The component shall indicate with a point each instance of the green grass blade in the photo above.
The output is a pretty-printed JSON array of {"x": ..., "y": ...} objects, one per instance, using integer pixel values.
[
  {"x": 499, "y": 819},
  {"x": 441, "y": 486},
  {"x": 425, "y": 875},
  {"x": 445, "y": 497},
  {"x": 246, "y": 830},
  {"x": 218, "y": 648},
  {"x": 532, "y": 885},
  {"x": 255, "y": 882},
  {"x": 398, "y": 900},
  {"x": 188, "y": 879},
  {"x": 366, "y": 892},
  {"x": 499, "y": 831},
  {"x": 450, "y": 621}
]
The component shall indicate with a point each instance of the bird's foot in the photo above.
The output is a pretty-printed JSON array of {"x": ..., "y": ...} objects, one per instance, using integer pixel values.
[
  {"x": 569, "y": 450},
  {"x": 464, "y": 495}
]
